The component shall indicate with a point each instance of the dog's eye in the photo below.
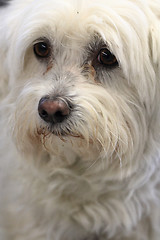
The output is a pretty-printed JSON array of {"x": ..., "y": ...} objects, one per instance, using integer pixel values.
[
  {"x": 106, "y": 58},
  {"x": 42, "y": 49}
]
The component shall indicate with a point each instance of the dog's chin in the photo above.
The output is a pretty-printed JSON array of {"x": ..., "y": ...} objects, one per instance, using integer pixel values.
[
  {"x": 66, "y": 145},
  {"x": 53, "y": 136}
]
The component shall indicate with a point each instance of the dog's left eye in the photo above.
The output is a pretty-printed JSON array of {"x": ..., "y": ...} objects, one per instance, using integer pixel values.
[
  {"x": 106, "y": 58},
  {"x": 42, "y": 50}
]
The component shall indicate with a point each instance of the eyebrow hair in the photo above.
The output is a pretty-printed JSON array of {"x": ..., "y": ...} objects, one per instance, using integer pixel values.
[
  {"x": 97, "y": 41},
  {"x": 96, "y": 44},
  {"x": 4, "y": 3}
]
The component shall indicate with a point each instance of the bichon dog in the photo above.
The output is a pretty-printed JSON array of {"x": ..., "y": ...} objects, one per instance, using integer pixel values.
[{"x": 79, "y": 119}]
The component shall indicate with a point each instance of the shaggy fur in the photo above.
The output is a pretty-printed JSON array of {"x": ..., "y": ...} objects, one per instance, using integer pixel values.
[{"x": 95, "y": 175}]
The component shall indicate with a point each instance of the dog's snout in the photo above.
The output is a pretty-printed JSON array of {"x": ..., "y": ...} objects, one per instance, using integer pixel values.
[{"x": 53, "y": 111}]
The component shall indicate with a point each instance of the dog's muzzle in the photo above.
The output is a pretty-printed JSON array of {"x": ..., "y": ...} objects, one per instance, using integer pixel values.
[{"x": 53, "y": 110}]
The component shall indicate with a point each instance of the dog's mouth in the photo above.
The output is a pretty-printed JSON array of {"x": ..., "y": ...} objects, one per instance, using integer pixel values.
[
  {"x": 64, "y": 133},
  {"x": 59, "y": 130}
]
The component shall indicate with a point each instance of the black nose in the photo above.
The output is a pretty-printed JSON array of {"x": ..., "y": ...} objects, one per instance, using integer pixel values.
[{"x": 53, "y": 111}]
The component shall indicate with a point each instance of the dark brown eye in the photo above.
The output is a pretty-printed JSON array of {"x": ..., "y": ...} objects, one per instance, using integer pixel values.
[
  {"x": 42, "y": 50},
  {"x": 106, "y": 58}
]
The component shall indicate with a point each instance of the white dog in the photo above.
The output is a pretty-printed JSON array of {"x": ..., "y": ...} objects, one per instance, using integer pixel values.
[{"x": 79, "y": 119}]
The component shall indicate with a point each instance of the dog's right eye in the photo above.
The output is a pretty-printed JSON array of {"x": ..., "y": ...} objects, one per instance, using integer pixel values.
[
  {"x": 106, "y": 58},
  {"x": 42, "y": 50}
]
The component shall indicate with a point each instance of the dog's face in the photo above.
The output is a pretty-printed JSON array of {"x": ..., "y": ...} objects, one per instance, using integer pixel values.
[{"x": 82, "y": 79}]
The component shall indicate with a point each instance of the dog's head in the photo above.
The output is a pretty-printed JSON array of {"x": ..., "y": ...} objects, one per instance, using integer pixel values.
[{"x": 82, "y": 76}]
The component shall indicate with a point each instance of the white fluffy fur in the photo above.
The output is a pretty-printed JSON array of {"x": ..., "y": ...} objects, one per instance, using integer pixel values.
[{"x": 103, "y": 180}]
